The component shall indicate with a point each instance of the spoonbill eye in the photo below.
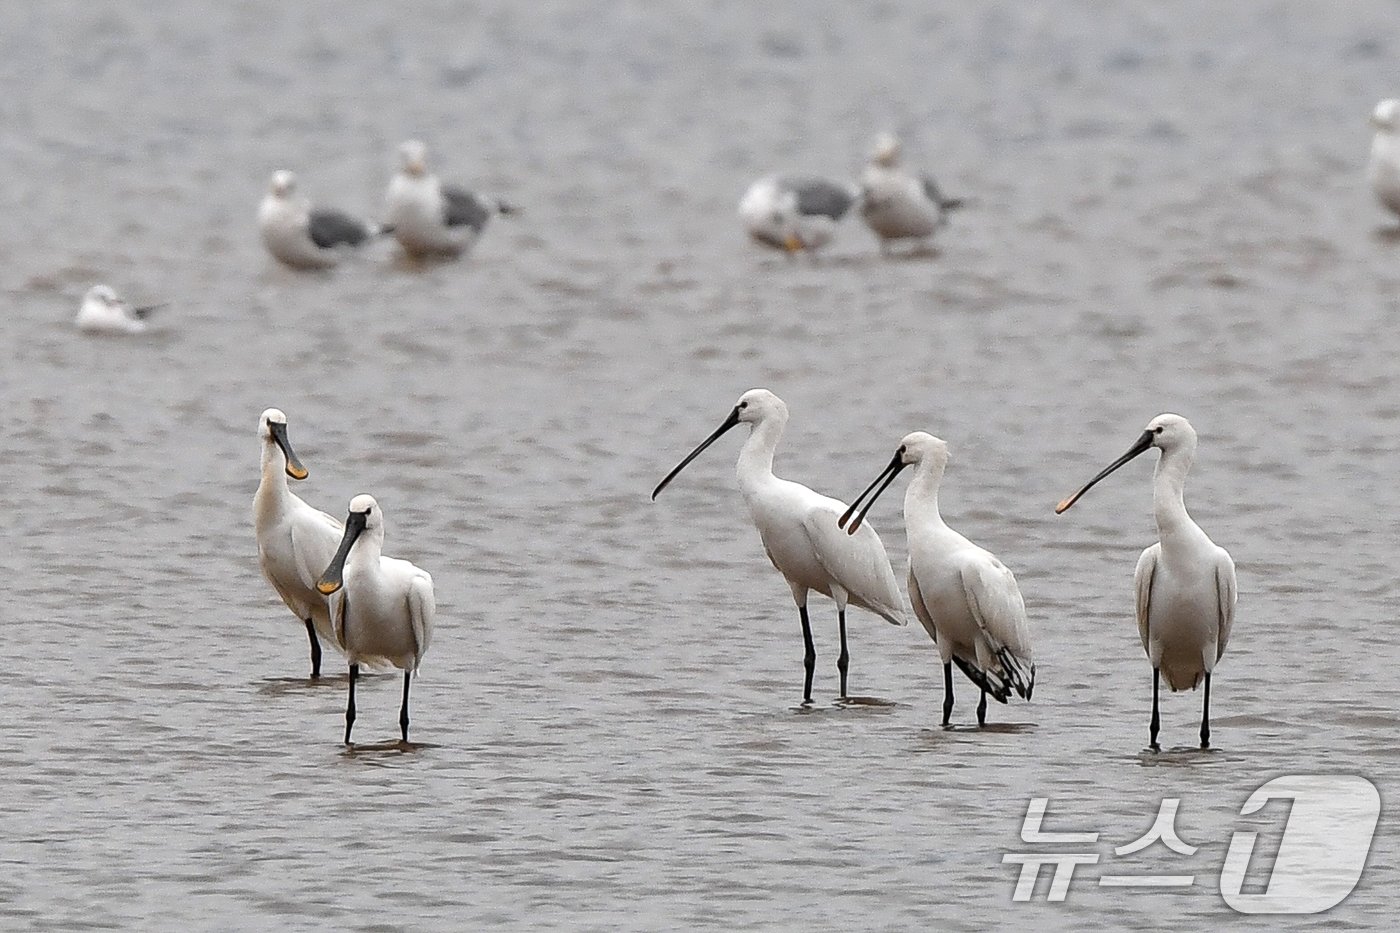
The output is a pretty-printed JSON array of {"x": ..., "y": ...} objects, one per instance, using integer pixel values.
[
  {"x": 1158, "y": 430},
  {"x": 743, "y": 404}
]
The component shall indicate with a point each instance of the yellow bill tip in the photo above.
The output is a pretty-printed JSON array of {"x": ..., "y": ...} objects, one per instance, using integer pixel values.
[
  {"x": 1064, "y": 504},
  {"x": 296, "y": 472},
  {"x": 326, "y": 589}
]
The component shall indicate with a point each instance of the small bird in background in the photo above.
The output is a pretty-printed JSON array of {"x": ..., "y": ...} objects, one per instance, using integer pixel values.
[
  {"x": 898, "y": 205},
  {"x": 103, "y": 312},
  {"x": 430, "y": 218},
  {"x": 304, "y": 237},
  {"x": 794, "y": 214},
  {"x": 1384, "y": 170}
]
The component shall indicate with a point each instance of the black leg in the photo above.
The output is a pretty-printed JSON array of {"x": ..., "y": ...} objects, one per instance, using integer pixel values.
[
  {"x": 947, "y": 692},
  {"x": 982, "y": 710},
  {"x": 810, "y": 658},
  {"x": 315, "y": 650},
  {"x": 350, "y": 706},
  {"x": 1205, "y": 716},
  {"x": 1156, "y": 720},
  {"x": 844, "y": 661},
  {"x": 403, "y": 710}
]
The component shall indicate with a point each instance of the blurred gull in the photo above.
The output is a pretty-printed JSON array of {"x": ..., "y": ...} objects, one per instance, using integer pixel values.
[
  {"x": 1384, "y": 170},
  {"x": 304, "y": 237},
  {"x": 432, "y": 219},
  {"x": 794, "y": 214},
  {"x": 897, "y": 205},
  {"x": 103, "y": 312}
]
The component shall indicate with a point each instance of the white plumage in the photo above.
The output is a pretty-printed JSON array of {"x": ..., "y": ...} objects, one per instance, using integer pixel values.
[
  {"x": 896, "y": 204},
  {"x": 1184, "y": 584},
  {"x": 967, "y": 600},
  {"x": 295, "y": 541},
  {"x": 1383, "y": 172},
  {"x": 799, "y": 531},
  {"x": 432, "y": 219},
  {"x": 381, "y": 608},
  {"x": 103, "y": 312},
  {"x": 794, "y": 214},
  {"x": 303, "y": 237}
]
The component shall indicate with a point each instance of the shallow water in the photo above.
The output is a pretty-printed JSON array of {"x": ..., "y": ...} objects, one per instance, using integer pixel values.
[{"x": 1169, "y": 215}]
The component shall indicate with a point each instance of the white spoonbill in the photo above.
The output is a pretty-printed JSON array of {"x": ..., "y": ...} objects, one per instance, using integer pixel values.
[
  {"x": 383, "y": 613},
  {"x": 1185, "y": 583},
  {"x": 898, "y": 205},
  {"x": 966, "y": 599},
  {"x": 295, "y": 541},
  {"x": 305, "y": 237},
  {"x": 799, "y": 532},
  {"x": 103, "y": 312},
  {"x": 1384, "y": 169},
  {"x": 794, "y": 214},
  {"x": 430, "y": 218}
]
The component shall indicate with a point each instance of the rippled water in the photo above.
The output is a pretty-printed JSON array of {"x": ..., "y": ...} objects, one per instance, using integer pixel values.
[{"x": 1170, "y": 215}]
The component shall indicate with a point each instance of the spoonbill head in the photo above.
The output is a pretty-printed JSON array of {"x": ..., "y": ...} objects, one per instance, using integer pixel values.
[
  {"x": 272, "y": 428},
  {"x": 799, "y": 531},
  {"x": 753, "y": 406},
  {"x": 1185, "y": 584},
  {"x": 966, "y": 599},
  {"x": 295, "y": 541},
  {"x": 382, "y": 609},
  {"x": 1172, "y": 434},
  {"x": 1386, "y": 116}
]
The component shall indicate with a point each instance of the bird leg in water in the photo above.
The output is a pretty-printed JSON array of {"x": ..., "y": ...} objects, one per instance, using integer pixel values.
[
  {"x": 403, "y": 710},
  {"x": 350, "y": 706},
  {"x": 982, "y": 709},
  {"x": 1205, "y": 716},
  {"x": 844, "y": 661},
  {"x": 315, "y": 650},
  {"x": 1156, "y": 720},
  {"x": 810, "y": 658},
  {"x": 947, "y": 692}
]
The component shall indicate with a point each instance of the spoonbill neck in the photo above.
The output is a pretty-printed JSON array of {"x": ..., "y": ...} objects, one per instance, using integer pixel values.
[
  {"x": 921, "y": 498},
  {"x": 274, "y": 467},
  {"x": 1169, "y": 492},
  {"x": 755, "y": 467}
]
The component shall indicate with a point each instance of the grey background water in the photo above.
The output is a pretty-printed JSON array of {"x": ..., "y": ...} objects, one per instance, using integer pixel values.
[{"x": 1170, "y": 215}]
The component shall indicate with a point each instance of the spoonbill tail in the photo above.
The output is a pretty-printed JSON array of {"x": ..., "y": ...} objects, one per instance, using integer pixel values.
[
  {"x": 381, "y": 608},
  {"x": 794, "y": 214},
  {"x": 295, "y": 541},
  {"x": 1185, "y": 583},
  {"x": 432, "y": 219},
  {"x": 799, "y": 532},
  {"x": 967, "y": 600},
  {"x": 896, "y": 204}
]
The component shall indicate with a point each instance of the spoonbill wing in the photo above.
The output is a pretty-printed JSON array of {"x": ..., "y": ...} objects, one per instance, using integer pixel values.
[
  {"x": 916, "y": 599},
  {"x": 1142, "y": 581},
  {"x": 995, "y": 602},
  {"x": 858, "y": 563},
  {"x": 1225, "y": 593},
  {"x": 422, "y": 607}
]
